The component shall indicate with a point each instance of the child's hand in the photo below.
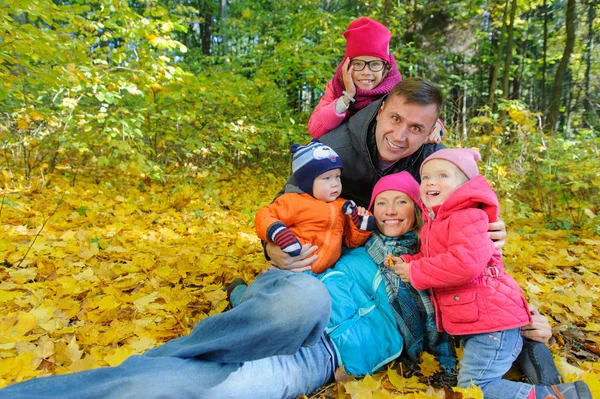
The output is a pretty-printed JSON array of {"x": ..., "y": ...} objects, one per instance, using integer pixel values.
[
  {"x": 363, "y": 222},
  {"x": 348, "y": 82},
  {"x": 361, "y": 211},
  {"x": 401, "y": 268},
  {"x": 435, "y": 135}
]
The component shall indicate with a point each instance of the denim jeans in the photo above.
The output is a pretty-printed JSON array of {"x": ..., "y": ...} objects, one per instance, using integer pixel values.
[
  {"x": 270, "y": 346},
  {"x": 486, "y": 358}
]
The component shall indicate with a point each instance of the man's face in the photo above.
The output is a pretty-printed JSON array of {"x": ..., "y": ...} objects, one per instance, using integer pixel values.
[{"x": 402, "y": 128}]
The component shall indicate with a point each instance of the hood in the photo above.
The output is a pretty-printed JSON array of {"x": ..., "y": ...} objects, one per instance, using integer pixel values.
[{"x": 476, "y": 193}]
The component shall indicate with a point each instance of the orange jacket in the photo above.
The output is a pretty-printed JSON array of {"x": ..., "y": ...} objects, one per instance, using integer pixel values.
[{"x": 313, "y": 221}]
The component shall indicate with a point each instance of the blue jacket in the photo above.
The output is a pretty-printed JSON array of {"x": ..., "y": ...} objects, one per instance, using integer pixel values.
[{"x": 360, "y": 306}]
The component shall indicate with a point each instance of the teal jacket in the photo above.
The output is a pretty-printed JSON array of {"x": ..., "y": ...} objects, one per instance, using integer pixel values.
[{"x": 360, "y": 306}]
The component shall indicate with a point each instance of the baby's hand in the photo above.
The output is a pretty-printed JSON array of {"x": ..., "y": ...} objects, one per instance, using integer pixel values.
[{"x": 361, "y": 211}]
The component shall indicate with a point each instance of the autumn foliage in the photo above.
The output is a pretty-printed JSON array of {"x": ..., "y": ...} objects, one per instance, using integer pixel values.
[
  {"x": 110, "y": 267},
  {"x": 138, "y": 139}
]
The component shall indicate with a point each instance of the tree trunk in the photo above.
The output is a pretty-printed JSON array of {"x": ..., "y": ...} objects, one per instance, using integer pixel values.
[
  {"x": 545, "y": 54},
  {"x": 509, "y": 49},
  {"x": 222, "y": 17},
  {"x": 589, "y": 115},
  {"x": 205, "y": 26},
  {"x": 562, "y": 67},
  {"x": 492, "y": 95}
]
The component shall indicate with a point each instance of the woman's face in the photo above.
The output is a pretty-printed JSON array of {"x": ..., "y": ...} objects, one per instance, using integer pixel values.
[{"x": 394, "y": 213}]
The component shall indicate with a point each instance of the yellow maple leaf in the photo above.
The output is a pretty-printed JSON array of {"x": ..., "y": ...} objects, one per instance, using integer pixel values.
[
  {"x": 86, "y": 363},
  {"x": 22, "y": 124},
  {"x": 429, "y": 365},
  {"x": 119, "y": 356},
  {"x": 474, "y": 392},
  {"x": 593, "y": 382},
  {"x": 73, "y": 351},
  {"x": 404, "y": 384},
  {"x": 143, "y": 302}
]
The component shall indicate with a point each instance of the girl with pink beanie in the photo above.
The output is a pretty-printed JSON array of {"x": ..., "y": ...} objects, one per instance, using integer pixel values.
[
  {"x": 473, "y": 295},
  {"x": 367, "y": 73}
]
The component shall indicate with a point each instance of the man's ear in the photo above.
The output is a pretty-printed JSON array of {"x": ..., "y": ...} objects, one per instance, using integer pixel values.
[{"x": 380, "y": 109}]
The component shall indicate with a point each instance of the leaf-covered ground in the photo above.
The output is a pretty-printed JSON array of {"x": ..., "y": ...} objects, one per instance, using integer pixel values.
[{"x": 113, "y": 266}]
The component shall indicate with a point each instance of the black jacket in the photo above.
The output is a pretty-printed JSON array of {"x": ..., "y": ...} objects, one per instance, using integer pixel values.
[{"x": 354, "y": 141}]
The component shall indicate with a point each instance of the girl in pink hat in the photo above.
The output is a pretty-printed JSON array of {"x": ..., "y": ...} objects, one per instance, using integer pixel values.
[
  {"x": 367, "y": 73},
  {"x": 473, "y": 295}
]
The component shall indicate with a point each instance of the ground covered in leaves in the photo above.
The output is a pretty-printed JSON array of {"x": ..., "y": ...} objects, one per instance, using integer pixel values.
[{"x": 112, "y": 266}]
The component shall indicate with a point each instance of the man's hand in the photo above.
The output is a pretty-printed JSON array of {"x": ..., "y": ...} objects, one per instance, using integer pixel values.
[
  {"x": 539, "y": 329},
  {"x": 497, "y": 232},
  {"x": 298, "y": 263}
]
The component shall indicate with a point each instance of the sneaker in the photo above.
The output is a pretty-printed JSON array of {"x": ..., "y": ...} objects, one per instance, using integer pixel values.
[
  {"x": 233, "y": 285},
  {"x": 537, "y": 364},
  {"x": 568, "y": 390}
]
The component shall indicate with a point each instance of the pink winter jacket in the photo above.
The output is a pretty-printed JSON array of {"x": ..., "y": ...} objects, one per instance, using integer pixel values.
[
  {"x": 471, "y": 291},
  {"x": 324, "y": 118}
]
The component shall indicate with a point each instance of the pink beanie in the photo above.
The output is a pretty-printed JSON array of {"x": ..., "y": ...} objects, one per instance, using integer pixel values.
[
  {"x": 365, "y": 36},
  {"x": 402, "y": 181},
  {"x": 464, "y": 158}
]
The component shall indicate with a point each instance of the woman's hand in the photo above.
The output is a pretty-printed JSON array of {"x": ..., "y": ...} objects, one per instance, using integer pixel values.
[
  {"x": 539, "y": 329},
  {"x": 401, "y": 268},
  {"x": 298, "y": 263},
  {"x": 348, "y": 82},
  {"x": 497, "y": 232},
  {"x": 435, "y": 137}
]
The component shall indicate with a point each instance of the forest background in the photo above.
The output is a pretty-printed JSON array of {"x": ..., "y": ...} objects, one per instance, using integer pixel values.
[{"x": 138, "y": 138}]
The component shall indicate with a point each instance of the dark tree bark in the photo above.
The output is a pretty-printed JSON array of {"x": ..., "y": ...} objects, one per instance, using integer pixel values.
[
  {"x": 545, "y": 54},
  {"x": 494, "y": 78},
  {"x": 509, "y": 48},
  {"x": 562, "y": 67},
  {"x": 589, "y": 114}
]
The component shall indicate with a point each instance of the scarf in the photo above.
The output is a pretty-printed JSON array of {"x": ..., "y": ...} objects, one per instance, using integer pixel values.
[
  {"x": 366, "y": 97},
  {"x": 412, "y": 308}
]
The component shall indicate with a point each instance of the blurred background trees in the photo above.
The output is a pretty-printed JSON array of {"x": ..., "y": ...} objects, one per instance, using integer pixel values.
[{"x": 156, "y": 87}]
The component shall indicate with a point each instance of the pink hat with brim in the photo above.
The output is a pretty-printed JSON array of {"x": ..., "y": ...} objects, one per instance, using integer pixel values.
[
  {"x": 402, "y": 181},
  {"x": 464, "y": 158}
]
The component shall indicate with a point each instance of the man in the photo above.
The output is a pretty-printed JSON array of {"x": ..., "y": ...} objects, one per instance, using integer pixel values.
[{"x": 386, "y": 137}]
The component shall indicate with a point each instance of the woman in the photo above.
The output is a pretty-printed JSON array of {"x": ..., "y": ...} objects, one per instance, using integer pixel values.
[{"x": 272, "y": 345}]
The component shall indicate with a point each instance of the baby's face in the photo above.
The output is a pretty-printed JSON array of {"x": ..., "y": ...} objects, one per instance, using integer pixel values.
[
  {"x": 328, "y": 186},
  {"x": 367, "y": 79},
  {"x": 439, "y": 178}
]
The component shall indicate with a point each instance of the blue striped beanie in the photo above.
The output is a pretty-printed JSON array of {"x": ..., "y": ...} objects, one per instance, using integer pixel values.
[{"x": 312, "y": 160}]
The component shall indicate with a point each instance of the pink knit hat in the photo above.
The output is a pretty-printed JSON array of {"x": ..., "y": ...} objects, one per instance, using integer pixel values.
[
  {"x": 402, "y": 181},
  {"x": 464, "y": 158},
  {"x": 365, "y": 36}
]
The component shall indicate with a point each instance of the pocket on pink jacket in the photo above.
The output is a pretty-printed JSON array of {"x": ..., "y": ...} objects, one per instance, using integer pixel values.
[{"x": 459, "y": 307}]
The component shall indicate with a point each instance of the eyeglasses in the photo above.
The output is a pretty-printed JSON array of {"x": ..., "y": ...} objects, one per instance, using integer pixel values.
[{"x": 374, "y": 66}]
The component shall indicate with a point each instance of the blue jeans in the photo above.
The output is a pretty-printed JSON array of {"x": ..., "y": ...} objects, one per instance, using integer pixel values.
[
  {"x": 270, "y": 346},
  {"x": 487, "y": 357}
]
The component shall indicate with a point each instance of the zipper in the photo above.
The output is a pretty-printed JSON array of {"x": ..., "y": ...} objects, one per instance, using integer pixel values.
[{"x": 327, "y": 239}]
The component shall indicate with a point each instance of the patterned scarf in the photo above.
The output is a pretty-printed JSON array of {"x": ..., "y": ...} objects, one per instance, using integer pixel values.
[
  {"x": 366, "y": 97},
  {"x": 413, "y": 309}
]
